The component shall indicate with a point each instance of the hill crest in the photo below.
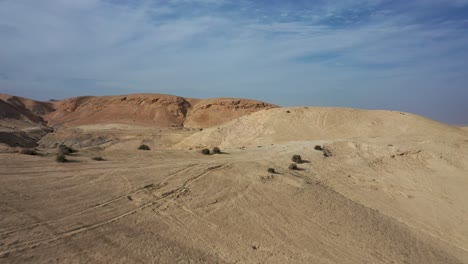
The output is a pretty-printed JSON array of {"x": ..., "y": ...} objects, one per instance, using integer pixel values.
[
  {"x": 156, "y": 110},
  {"x": 282, "y": 125}
]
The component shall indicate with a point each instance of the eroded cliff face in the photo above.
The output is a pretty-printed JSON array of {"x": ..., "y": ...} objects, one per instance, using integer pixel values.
[
  {"x": 21, "y": 123},
  {"x": 213, "y": 112},
  {"x": 22, "y": 109},
  {"x": 151, "y": 110},
  {"x": 146, "y": 110},
  {"x": 157, "y": 111}
]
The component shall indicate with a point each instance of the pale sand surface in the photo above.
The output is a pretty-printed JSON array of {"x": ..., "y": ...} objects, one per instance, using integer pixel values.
[{"x": 393, "y": 191}]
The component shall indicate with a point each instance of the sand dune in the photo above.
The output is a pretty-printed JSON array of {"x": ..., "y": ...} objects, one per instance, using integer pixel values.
[{"x": 315, "y": 123}]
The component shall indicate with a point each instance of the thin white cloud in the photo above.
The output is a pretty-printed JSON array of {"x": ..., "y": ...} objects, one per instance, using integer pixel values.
[{"x": 162, "y": 47}]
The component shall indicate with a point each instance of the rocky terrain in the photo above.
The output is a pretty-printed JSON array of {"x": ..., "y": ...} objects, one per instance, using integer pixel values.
[{"x": 23, "y": 122}]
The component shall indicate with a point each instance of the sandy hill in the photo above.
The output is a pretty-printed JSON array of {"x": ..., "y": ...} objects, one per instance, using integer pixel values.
[
  {"x": 21, "y": 124},
  {"x": 283, "y": 125},
  {"x": 73, "y": 117},
  {"x": 155, "y": 110},
  {"x": 23, "y": 109}
]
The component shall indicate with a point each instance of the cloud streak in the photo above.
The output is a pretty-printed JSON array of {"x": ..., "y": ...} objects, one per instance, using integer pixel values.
[{"x": 369, "y": 54}]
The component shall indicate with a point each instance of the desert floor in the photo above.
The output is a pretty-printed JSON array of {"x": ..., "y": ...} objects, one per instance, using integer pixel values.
[{"x": 376, "y": 200}]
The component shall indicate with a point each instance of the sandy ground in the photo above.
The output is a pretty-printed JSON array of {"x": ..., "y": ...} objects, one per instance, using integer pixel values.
[
  {"x": 283, "y": 125},
  {"x": 392, "y": 191},
  {"x": 376, "y": 200},
  {"x": 116, "y": 136}
]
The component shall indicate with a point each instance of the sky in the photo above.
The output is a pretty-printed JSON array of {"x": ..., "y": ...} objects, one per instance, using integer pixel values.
[{"x": 398, "y": 55}]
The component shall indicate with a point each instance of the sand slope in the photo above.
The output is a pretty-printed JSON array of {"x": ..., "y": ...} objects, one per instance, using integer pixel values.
[
  {"x": 18, "y": 108},
  {"x": 183, "y": 207},
  {"x": 282, "y": 125},
  {"x": 35, "y": 107},
  {"x": 392, "y": 190},
  {"x": 20, "y": 122}
]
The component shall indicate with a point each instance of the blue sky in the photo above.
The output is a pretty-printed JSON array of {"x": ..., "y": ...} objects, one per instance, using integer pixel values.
[{"x": 400, "y": 55}]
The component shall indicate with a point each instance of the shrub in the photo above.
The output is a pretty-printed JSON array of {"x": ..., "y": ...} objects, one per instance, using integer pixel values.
[
  {"x": 297, "y": 158},
  {"x": 327, "y": 152},
  {"x": 98, "y": 158},
  {"x": 66, "y": 150},
  {"x": 28, "y": 152},
  {"x": 216, "y": 150},
  {"x": 61, "y": 158},
  {"x": 144, "y": 147},
  {"x": 205, "y": 151},
  {"x": 319, "y": 148},
  {"x": 293, "y": 166},
  {"x": 271, "y": 170}
]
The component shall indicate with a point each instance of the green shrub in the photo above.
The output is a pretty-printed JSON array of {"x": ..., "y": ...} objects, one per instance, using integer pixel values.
[
  {"x": 205, "y": 151},
  {"x": 297, "y": 158},
  {"x": 61, "y": 158},
  {"x": 144, "y": 147},
  {"x": 293, "y": 166},
  {"x": 216, "y": 150},
  {"x": 271, "y": 170}
]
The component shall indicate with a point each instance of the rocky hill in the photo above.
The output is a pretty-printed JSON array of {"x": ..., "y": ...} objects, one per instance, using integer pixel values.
[{"x": 18, "y": 116}]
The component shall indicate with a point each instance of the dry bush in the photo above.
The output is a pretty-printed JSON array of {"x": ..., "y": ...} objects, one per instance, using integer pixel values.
[
  {"x": 327, "y": 152},
  {"x": 29, "y": 152},
  {"x": 66, "y": 150},
  {"x": 296, "y": 158},
  {"x": 61, "y": 158},
  {"x": 144, "y": 147},
  {"x": 205, "y": 151},
  {"x": 216, "y": 150}
]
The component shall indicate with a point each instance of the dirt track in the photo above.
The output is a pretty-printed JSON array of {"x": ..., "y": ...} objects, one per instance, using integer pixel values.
[
  {"x": 183, "y": 207},
  {"x": 392, "y": 189}
]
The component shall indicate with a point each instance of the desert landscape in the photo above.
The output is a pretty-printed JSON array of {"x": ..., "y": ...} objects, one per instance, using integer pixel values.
[{"x": 370, "y": 186}]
